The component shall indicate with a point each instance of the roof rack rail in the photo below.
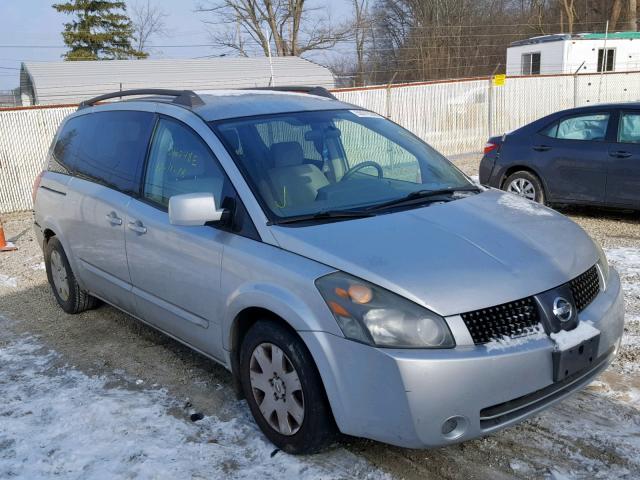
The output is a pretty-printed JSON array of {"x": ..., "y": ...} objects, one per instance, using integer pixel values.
[
  {"x": 187, "y": 98},
  {"x": 317, "y": 91}
]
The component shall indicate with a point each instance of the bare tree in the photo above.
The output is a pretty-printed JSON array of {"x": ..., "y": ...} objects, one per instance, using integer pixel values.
[
  {"x": 632, "y": 16},
  {"x": 291, "y": 27},
  {"x": 568, "y": 6},
  {"x": 148, "y": 20},
  {"x": 361, "y": 29},
  {"x": 616, "y": 9}
]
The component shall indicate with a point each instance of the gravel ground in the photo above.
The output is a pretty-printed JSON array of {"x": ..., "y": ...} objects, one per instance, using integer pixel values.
[{"x": 593, "y": 434}]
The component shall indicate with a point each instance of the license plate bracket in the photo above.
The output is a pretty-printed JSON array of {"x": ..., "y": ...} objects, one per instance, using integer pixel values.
[{"x": 575, "y": 359}]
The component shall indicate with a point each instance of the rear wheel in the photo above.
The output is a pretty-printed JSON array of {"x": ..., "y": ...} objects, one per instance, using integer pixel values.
[
  {"x": 69, "y": 295},
  {"x": 525, "y": 184},
  {"x": 284, "y": 391}
]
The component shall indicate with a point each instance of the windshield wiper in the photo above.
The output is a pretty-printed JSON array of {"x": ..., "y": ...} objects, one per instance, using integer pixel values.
[
  {"x": 419, "y": 196},
  {"x": 324, "y": 215}
]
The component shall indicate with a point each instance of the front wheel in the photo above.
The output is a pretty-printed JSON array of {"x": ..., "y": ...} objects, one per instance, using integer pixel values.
[
  {"x": 525, "y": 184},
  {"x": 284, "y": 391}
]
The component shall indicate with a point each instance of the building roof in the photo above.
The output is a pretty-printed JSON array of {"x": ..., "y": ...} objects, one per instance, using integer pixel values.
[
  {"x": 559, "y": 37},
  {"x": 74, "y": 81}
]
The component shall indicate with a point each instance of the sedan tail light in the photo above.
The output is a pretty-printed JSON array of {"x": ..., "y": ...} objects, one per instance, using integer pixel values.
[{"x": 489, "y": 147}]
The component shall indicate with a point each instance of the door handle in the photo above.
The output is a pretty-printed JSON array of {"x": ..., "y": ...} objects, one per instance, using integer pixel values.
[
  {"x": 137, "y": 227},
  {"x": 620, "y": 154},
  {"x": 541, "y": 148},
  {"x": 113, "y": 219}
]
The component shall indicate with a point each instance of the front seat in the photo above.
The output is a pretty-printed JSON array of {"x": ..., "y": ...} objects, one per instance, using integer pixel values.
[{"x": 293, "y": 182}]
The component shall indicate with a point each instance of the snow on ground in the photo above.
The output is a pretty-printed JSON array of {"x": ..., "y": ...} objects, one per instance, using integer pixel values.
[
  {"x": 7, "y": 281},
  {"x": 57, "y": 421},
  {"x": 627, "y": 262}
]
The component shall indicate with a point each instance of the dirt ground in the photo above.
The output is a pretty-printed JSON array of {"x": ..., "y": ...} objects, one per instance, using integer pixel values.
[{"x": 593, "y": 434}]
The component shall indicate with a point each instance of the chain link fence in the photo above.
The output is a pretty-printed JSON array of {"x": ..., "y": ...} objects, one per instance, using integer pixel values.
[
  {"x": 459, "y": 116},
  {"x": 454, "y": 116}
]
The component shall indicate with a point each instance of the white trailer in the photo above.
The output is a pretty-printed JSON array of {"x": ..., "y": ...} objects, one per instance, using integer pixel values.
[{"x": 566, "y": 53}]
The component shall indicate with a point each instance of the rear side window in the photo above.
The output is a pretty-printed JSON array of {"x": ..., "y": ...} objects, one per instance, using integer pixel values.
[
  {"x": 108, "y": 147},
  {"x": 629, "y": 128},
  {"x": 592, "y": 127},
  {"x": 67, "y": 141}
]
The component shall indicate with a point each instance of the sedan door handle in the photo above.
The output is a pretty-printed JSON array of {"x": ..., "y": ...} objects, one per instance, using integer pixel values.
[
  {"x": 137, "y": 227},
  {"x": 113, "y": 219},
  {"x": 541, "y": 148},
  {"x": 620, "y": 154}
]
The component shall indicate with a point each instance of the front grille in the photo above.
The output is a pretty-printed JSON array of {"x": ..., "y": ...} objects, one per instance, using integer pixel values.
[
  {"x": 585, "y": 288},
  {"x": 509, "y": 319}
]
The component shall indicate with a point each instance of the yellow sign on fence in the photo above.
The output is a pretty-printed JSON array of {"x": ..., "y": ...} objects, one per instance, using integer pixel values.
[{"x": 498, "y": 80}]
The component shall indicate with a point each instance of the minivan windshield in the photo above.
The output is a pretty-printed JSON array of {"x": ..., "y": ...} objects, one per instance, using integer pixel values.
[{"x": 335, "y": 162}]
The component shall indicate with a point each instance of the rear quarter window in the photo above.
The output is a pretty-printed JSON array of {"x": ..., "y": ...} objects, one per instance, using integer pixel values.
[
  {"x": 108, "y": 147},
  {"x": 67, "y": 142},
  {"x": 588, "y": 127}
]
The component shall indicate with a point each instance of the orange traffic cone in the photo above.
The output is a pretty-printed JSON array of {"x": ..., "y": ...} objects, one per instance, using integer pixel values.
[{"x": 4, "y": 245}]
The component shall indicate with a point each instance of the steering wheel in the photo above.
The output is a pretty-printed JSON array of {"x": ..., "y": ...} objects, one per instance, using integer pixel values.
[{"x": 360, "y": 166}]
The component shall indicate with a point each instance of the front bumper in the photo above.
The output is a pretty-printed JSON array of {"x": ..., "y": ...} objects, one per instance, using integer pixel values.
[{"x": 404, "y": 397}]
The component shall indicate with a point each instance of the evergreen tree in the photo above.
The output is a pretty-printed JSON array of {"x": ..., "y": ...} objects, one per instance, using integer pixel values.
[{"x": 100, "y": 30}]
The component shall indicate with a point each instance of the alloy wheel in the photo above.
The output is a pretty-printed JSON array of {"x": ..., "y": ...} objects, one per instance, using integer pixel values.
[
  {"x": 522, "y": 187},
  {"x": 276, "y": 388}
]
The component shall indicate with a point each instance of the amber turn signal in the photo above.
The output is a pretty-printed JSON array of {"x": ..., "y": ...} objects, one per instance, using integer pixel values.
[{"x": 360, "y": 294}]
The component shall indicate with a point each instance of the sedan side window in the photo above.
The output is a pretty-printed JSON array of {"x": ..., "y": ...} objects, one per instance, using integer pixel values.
[
  {"x": 180, "y": 162},
  {"x": 629, "y": 128},
  {"x": 592, "y": 127}
]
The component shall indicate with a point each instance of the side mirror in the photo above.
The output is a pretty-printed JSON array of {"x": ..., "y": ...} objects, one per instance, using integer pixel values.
[{"x": 193, "y": 209}]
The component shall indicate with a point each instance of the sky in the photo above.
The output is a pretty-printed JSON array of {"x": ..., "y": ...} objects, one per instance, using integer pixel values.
[{"x": 31, "y": 29}]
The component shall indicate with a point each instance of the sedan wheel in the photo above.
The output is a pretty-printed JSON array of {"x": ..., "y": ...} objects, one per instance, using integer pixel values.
[
  {"x": 525, "y": 184},
  {"x": 522, "y": 187},
  {"x": 276, "y": 388}
]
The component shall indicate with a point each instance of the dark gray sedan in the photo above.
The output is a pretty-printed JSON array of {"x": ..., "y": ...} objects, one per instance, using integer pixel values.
[{"x": 587, "y": 155}]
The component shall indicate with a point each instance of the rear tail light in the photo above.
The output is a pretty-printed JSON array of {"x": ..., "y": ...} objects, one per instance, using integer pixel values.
[
  {"x": 36, "y": 185},
  {"x": 489, "y": 147}
]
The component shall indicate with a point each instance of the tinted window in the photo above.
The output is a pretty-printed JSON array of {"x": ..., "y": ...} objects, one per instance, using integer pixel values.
[
  {"x": 67, "y": 141},
  {"x": 110, "y": 147},
  {"x": 629, "y": 129},
  {"x": 584, "y": 127},
  {"x": 180, "y": 162}
]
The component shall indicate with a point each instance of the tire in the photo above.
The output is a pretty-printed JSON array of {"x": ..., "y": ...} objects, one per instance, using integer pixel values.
[
  {"x": 71, "y": 298},
  {"x": 526, "y": 182},
  {"x": 310, "y": 432}
]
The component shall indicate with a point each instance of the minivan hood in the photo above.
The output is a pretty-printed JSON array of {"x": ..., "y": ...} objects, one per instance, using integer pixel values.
[{"x": 454, "y": 257}]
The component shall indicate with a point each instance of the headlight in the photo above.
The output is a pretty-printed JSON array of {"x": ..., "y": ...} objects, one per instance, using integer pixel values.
[
  {"x": 603, "y": 264},
  {"x": 370, "y": 314}
]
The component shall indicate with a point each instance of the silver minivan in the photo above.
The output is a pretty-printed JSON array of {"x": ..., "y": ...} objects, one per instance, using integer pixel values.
[{"x": 349, "y": 276}]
